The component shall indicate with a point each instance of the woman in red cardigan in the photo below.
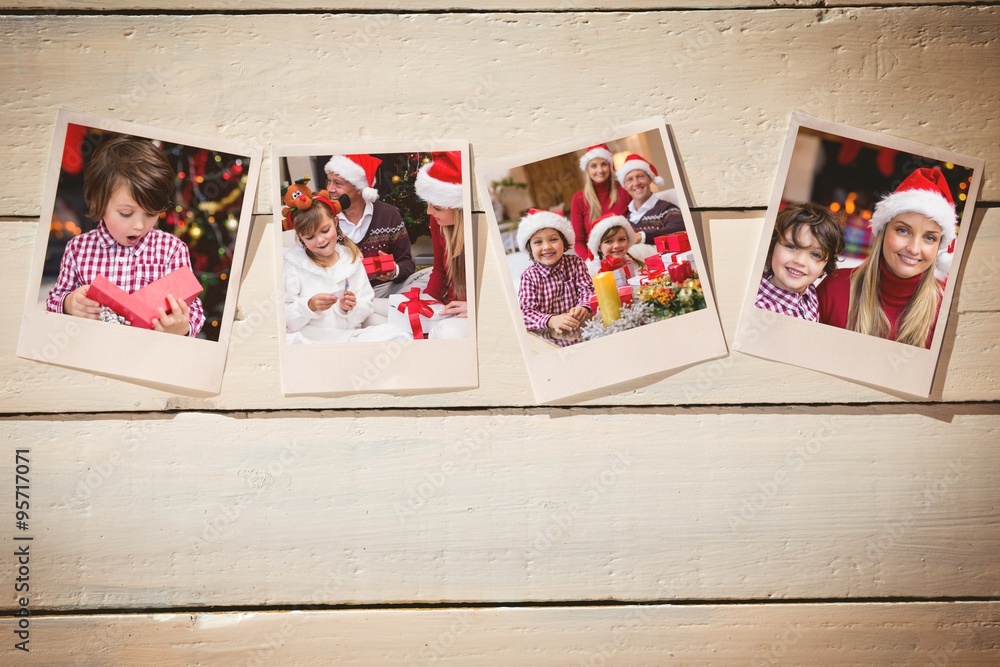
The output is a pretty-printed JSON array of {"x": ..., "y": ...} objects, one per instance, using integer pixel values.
[
  {"x": 895, "y": 293},
  {"x": 439, "y": 183},
  {"x": 601, "y": 194}
]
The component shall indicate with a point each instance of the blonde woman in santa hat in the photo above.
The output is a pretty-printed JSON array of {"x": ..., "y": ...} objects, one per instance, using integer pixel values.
[
  {"x": 650, "y": 216},
  {"x": 439, "y": 183},
  {"x": 601, "y": 194},
  {"x": 894, "y": 293},
  {"x": 611, "y": 237},
  {"x": 371, "y": 224}
]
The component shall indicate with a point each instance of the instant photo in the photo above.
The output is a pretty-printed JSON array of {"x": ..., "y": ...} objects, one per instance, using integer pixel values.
[
  {"x": 374, "y": 264},
  {"x": 599, "y": 256},
  {"x": 139, "y": 253},
  {"x": 856, "y": 270}
]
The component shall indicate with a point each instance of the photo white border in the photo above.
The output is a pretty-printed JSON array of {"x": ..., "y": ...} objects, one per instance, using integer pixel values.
[
  {"x": 408, "y": 366},
  {"x": 667, "y": 345},
  {"x": 897, "y": 368},
  {"x": 171, "y": 363}
]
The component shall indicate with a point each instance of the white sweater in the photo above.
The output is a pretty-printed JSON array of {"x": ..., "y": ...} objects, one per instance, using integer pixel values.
[{"x": 305, "y": 279}]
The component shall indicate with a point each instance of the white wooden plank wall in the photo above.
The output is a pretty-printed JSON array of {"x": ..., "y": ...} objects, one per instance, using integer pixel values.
[{"x": 739, "y": 512}]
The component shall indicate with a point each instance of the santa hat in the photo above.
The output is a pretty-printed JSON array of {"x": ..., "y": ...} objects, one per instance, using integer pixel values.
[
  {"x": 593, "y": 152},
  {"x": 536, "y": 220},
  {"x": 358, "y": 170},
  {"x": 603, "y": 224},
  {"x": 633, "y": 162},
  {"x": 439, "y": 182},
  {"x": 924, "y": 191}
]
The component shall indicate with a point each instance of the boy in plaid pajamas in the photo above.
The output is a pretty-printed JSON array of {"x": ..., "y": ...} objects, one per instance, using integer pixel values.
[
  {"x": 804, "y": 246},
  {"x": 556, "y": 289},
  {"x": 128, "y": 183}
]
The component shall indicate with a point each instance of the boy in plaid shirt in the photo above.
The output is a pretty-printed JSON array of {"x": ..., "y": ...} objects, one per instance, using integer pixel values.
[
  {"x": 556, "y": 289},
  {"x": 128, "y": 183},
  {"x": 804, "y": 246}
]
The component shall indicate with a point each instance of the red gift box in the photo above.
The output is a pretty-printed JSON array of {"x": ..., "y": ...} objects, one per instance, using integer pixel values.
[
  {"x": 625, "y": 294},
  {"x": 140, "y": 307},
  {"x": 676, "y": 242},
  {"x": 380, "y": 263},
  {"x": 680, "y": 272},
  {"x": 622, "y": 268}
]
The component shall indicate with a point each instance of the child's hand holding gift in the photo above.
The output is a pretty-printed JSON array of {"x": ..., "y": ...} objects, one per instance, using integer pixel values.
[
  {"x": 320, "y": 302},
  {"x": 177, "y": 321},
  {"x": 348, "y": 301},
  {"x": 77, "y": 304}
]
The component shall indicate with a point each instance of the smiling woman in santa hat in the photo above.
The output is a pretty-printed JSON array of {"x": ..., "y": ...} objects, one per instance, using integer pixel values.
[
  {"x": 372, "y": 224},
  {"x": 895, "y": 293},
  {"x": 439, "y": 183},
  {"x": 601, "y": 195}
]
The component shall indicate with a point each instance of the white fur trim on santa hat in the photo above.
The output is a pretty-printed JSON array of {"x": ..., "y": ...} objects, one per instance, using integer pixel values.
[
  {"x": 924, "y": 202},
  {"x": 593, "y": 153},
  {"x": 632, "y": 165},
  {"x": 436, "y": 192},
  {"x": 353, "y": 173},
  {"x": 532, "y": 222},
  {"x": 602, "y": 226}
]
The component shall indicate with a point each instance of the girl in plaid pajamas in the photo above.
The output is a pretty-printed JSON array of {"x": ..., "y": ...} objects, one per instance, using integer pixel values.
[
  {"x": 128, "y": 183},
  {"x": 804, "y": 246},
  {"x": 556, "y": 289}
]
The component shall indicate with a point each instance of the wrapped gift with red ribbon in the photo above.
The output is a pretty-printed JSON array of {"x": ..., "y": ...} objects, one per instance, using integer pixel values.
[
  {"x": 676, "y": 242},
  {"x": 621, "y": 267},
  {"x": 593, "y": 305},
  {"x": 679, "y": 272},
  {"x": 140, "y": 308},
  {"x": 654, "y": 267},
  {"x": 380, "y": 263},
  {"x": 408, "y": 312}
]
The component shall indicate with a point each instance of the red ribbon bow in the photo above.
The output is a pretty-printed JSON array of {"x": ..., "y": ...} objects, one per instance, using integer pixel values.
[
  {"x": 414, "y": 307},
  {"x": 613, "y": 263},
  {"x": 652, "y": 274}
]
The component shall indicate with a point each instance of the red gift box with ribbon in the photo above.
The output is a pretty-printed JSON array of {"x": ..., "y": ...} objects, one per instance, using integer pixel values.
[
  {"x": 654, "y": 267},
  {"x": 140, "y": 308},
  {"x": 621, "y": 267},
  {"x": 680, "y": 272},
  {"x": 676, "y": 242},
  {"x": 380, "y": 263},
  {"x": 408, "y": 311}
]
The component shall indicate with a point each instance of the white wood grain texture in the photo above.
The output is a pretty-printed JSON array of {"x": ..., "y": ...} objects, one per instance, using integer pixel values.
[
  {"x": 251, "y": 380},
  {"x": 648, "y": 636},
  {"x": 516, "y": 81},
  {"x": 424, "y": 507},
  {"x": 404, "y": 6}
]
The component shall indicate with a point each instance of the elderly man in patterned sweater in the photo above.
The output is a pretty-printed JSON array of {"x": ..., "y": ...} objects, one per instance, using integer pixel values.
[{"x": 372, "y": 224}]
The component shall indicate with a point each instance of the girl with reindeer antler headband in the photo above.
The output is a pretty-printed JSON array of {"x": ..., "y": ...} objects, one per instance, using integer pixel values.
[{"x": 327, "y": 292}]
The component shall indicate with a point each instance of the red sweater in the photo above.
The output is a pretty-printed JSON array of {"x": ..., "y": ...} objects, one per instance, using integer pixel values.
[
  {"x": 579, "y": 212},
  {"x": 439, "y": 280},
  {"x": 894, "y": 295}
]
